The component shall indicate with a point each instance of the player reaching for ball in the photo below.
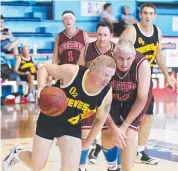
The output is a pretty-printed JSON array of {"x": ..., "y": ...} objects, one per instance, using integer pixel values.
[{"x": 88, "y": 92}]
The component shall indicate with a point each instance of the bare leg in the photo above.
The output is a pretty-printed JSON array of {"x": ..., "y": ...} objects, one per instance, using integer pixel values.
[
  {"x": 129, "y": 152},
  {"x": 144, "y": 130},
  {"x": 37, "y": 159},
  {"x": 30, "y": 79},
  {"x": 70, "y": 148}
]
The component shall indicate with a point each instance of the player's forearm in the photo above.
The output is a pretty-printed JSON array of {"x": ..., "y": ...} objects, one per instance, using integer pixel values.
[
  {"x": 136, "y": 109},
  {"x": 110, "y": 123},
  {"x": 96, "y": 128},
  {"x": 162, "y": 66},
  {"x": 42, "y": 76}
]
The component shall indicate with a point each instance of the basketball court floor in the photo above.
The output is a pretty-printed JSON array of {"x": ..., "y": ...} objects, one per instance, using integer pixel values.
[{"x": 18, "y": 126}]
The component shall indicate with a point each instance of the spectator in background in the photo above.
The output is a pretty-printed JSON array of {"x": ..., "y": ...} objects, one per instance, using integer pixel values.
[
  {"x": 25, "y": 68},
  {"x": 8, "y": 43},
  {"x": 106, "y": 15},
  {"x": 127, "y": 18}
]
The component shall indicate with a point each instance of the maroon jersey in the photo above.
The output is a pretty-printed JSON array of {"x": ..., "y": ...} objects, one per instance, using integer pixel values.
[
  {"x": 91, "y": 52},
  {"x": 125, "y": 85},
  {"x": 70, "y": 47}
]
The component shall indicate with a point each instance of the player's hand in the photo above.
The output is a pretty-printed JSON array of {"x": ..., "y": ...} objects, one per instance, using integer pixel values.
[
  {"x": 40, "y": 88},
  {"x": 170, "y": 84},
  {"x": 119, "y": 137},
  {"x": 27, "y": 73}
]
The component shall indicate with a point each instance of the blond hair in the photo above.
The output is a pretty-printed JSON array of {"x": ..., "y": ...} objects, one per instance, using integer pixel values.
[
  {"x": 102, "y": 61},
  {"x": 125, "y": 45}
]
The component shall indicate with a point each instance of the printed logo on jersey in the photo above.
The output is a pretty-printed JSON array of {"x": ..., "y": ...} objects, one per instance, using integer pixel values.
[
  {"x": 76, "y": 119},
  {"x": 141, "y": 41},
  {"x": 78, "y": 104},
  {"x": 70, "y": 45},
  {"x": 123, "y": 86},
  {"x": 150, "y": 51}
]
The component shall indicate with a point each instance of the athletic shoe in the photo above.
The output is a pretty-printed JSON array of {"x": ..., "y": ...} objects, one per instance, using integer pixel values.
[
  {"x": 145, "y": 159},
  {"x": 11, "y": 159},
  {"x": 93, "y": 155},
  {"x": 118, "y": 169}
]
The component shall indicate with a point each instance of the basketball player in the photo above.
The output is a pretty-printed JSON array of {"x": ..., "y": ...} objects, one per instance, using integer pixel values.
[
  {"x": 25, "y": 68},
  {"x": 88, "y": 92},
  {"x": 69, "y": 42},
  {"x": 132, "y": 93},
  {"x": 102, "y": 46},
  {"x": 147, "y": 40}
]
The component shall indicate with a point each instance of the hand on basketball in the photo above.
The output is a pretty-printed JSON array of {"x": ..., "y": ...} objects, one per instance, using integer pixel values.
[
  {"x": 40, "y": 88},
  {"x": 119, "y": 137}
]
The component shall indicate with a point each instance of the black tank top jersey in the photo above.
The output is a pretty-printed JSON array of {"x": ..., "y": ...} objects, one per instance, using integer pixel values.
[
  {"x": 91, "y": 52},
  {"x": 27, "y": 65},
  {"x": 70, "y": 47},
  {"x": 81, "y": 105},
  {"x": 125, "y": 84},
  {"x": 147, "y": 45}
]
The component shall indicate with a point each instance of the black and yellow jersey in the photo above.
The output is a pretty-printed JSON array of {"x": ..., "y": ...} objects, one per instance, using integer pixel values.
[
  {"x": 147, "y": 45},
  {"x": 27, "y": 65},
  {"x": 80, "y": 105}
]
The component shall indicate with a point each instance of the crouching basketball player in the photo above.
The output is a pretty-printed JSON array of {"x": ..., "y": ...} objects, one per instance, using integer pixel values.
[
  {"x": 88, "y": 92},
  {"x": 132, "y": 94}
]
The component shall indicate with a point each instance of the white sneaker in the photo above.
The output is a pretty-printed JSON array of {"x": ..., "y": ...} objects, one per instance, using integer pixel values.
[
  {"x": 11, "y": 159},
  {"x": 30, "y": 98},
  {"x": 145, "y": 159}
]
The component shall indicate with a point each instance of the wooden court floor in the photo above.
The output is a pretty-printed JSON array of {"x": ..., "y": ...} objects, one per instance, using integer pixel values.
[{"x": 18, "y": 125}]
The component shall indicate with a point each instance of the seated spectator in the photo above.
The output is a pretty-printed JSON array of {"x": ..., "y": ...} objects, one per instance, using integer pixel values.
[
  {"x": 107, "y": 14},
  {"x": 25, "y": 68},
  {"x": 127, "y": 18},
  {"x": 8, "y": 43}
]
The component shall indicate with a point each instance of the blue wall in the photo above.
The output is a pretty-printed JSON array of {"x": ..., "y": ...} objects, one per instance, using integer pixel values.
[{"x": 46, "y": 17}]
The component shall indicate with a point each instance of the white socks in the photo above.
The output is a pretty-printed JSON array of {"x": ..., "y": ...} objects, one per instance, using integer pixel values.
[{"x": 140, "y": 148}]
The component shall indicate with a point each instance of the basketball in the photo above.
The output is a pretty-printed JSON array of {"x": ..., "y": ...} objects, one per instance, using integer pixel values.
[{"x": 52, "y": 101}]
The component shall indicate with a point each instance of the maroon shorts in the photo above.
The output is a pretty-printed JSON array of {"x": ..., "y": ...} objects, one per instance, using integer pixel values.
[
  {"x": 120, "y": 110},
  {"x": 87, "y": 123}
]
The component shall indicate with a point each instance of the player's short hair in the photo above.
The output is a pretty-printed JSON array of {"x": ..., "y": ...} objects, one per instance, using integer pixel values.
[
  {"x": 68, "y": 11},
  {"x": 105, "y": 23},
  {"x": 102, "y": 61},
  {"x": 125, "y": 45},
  {"x": 147, "y": 5},
  {"x": 107, "y": 5}
]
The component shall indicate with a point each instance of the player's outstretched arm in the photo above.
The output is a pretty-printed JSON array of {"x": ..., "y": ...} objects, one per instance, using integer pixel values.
[
  {"x": 63, "y": 72},
  {"x": 99, "y": 121}
]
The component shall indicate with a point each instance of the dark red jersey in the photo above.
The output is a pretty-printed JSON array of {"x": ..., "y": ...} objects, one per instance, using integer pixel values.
[{"x": 70, "y": 47}]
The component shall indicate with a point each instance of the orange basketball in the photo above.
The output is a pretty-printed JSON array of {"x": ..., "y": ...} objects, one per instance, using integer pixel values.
[{"x": 52, "y": 101}]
